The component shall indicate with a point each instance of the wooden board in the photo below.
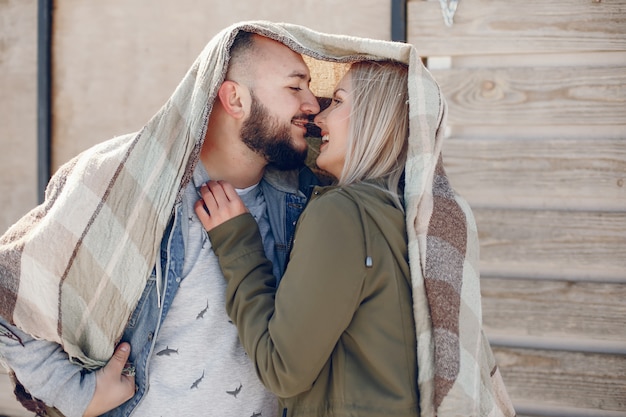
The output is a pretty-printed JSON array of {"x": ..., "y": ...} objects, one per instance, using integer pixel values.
[
  {"x": 535, "y": 173},
  {"x": 518, "y": 26},
  {"x": 579, "y": 96},
  {"x": 554, "y": 309},
  {"x": 567, "y": 245},
  {"x": 564, "y": 379}
]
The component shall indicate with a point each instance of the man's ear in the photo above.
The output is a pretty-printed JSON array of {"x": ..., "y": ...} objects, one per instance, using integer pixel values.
[{"x": 230, "y": 94}]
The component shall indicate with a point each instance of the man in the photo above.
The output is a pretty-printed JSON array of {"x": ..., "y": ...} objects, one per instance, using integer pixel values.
[{"x": 184, "y": 353}]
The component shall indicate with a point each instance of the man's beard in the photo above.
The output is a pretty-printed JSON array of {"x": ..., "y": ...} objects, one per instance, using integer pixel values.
[{"x": 270, "y": 138}]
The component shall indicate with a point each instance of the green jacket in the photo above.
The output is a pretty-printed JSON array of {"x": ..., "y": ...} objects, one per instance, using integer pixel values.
[{"x": 338, "y": 337}]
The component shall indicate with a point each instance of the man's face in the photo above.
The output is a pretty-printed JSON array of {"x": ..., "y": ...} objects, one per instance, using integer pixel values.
[
  {"x": 281, "y": 102},
  {"x": 270, "y": 137}
]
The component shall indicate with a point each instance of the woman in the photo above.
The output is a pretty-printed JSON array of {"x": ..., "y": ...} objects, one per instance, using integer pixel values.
[{"x": 338, "y": 336}]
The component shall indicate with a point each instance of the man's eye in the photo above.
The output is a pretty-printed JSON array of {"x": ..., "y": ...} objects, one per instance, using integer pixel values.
[{"x": 296, "y": 88}]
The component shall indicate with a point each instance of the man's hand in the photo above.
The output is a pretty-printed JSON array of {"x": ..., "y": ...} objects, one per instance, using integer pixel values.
[
  {"x": 113, "y": 388},
  {"x": 220, "y": 202}
]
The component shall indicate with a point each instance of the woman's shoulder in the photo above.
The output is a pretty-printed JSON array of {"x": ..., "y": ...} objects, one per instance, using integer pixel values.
[
  {"x": 353, "y": 193},
  {"x": 331, "y": 198},
  {"x": 331, "y": 205},
  {"x": 335, "y": 196},
  {"x": 344, "y": 201}
]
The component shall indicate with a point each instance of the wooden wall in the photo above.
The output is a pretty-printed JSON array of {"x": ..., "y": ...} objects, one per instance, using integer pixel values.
[
  {"x": 537, "y": 144},
  {"x": 18, "y": 109}
]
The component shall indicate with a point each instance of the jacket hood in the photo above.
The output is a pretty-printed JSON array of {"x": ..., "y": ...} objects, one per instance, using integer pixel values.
[{"x": 376, "y": 208}]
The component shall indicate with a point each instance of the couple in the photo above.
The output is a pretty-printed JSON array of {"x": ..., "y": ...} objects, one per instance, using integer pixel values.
[{"x": 350, "y": 326}]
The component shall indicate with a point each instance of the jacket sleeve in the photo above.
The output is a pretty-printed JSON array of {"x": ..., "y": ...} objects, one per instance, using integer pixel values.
[
  {"x": 46, "y": 372},
  {"x": 292, "y": 336}
]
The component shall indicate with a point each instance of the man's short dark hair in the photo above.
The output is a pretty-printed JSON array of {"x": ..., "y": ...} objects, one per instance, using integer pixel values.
[{"x": 242, "y": 45}]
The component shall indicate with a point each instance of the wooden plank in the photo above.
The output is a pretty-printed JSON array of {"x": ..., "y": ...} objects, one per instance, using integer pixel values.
[
  {"x": 532, "y": 173},
  {"x": 518, "y": 26},
  {"x": 526, "y": 409},
  {"x": 567, "y": 245},
  {"x": 569, "y": 344},
  {"x": 564, "y": 379},
  {"x": 561, "y": 59},
  {"x": 535, "y": 96},
  {"x": 536, "y": 132},
  {"x": 554, "y": 309}
]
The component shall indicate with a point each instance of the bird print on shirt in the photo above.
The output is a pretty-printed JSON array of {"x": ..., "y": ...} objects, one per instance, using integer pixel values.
[
  {"x": 256, "y": 415},
  {"x": 167, "y": 351},
  {"x": 235, "y": 391},
  {"x": 201, "y": 314},
  {"x": 197, "y": 381}
]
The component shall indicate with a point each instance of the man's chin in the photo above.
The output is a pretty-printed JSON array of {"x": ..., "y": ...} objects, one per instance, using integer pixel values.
[
  {"x": 299, "y": 144},
  {"x": 298, "y": 137}
]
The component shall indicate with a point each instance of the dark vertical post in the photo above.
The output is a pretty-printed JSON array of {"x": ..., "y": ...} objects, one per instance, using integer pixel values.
[
  {"x": 44, "y": 80},
  {"x": 398, "y": 20}
]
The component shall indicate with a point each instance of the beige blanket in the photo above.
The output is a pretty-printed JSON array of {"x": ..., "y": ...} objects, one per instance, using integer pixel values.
[{"x": 73, "y": 269}]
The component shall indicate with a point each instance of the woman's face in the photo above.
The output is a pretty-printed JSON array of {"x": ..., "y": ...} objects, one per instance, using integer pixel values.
[{"x": 333, "y": 122}]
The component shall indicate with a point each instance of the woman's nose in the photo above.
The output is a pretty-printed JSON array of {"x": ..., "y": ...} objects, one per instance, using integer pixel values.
[{"x": 320, "y": 118}]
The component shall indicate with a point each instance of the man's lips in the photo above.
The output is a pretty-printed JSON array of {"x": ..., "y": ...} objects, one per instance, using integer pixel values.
[{"x": 301, "y": 123}]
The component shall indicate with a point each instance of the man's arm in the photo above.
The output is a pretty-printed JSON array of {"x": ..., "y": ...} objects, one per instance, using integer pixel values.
[{"x": 46, "y": 372}]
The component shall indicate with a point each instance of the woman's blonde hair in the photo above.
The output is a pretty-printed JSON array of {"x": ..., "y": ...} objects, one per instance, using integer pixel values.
[{"x": 379, "y": 125}]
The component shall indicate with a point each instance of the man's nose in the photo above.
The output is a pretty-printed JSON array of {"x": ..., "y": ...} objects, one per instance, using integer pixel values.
[{"x": 310, "y": 104}]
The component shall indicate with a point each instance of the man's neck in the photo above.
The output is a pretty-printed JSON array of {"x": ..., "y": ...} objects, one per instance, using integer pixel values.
[{"x": 232, "y": 161}]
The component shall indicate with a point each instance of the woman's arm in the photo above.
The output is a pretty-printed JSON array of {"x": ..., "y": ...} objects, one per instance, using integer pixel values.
[{"x": 290, "y": 334}]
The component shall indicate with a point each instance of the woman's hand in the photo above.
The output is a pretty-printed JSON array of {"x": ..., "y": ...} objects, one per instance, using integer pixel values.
[
  {"x": 113, "y": 386},
  {"x": 220, "y": 202}
]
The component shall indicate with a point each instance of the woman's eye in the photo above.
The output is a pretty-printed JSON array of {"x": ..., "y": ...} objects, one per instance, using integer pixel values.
[{"x": 336, "y": 101}]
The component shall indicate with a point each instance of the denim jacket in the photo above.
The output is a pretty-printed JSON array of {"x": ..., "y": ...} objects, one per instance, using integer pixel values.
[{"x": 286, "y": 194}]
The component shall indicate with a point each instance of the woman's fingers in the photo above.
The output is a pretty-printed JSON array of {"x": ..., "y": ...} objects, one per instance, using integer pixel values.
[
  {"x": 220, "y": 202},
  {"x": 229, "y": 191}
]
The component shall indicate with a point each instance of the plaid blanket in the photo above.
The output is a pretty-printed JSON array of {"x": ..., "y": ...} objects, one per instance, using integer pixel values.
[{"x": 73, "y": 269}]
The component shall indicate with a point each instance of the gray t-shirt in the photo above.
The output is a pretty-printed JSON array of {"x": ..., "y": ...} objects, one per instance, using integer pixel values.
[{"x": 198, "y": 366}]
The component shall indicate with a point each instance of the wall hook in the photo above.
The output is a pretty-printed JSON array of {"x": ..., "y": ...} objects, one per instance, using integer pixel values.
[{"x": 448, "y": 8}]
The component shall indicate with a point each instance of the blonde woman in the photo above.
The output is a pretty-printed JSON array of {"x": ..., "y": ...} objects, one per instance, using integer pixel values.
[{"x": 338, "y": 336}]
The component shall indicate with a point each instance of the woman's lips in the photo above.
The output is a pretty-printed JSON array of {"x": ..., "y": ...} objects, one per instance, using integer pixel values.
[{"x": 325, "y": 141}]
